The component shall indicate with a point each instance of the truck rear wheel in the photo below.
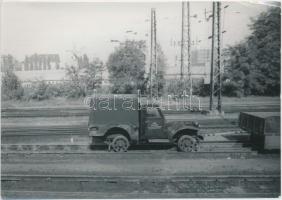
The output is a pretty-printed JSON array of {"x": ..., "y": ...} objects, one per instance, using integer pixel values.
[
  {"x": 187, "y": 143},
  {"x": 120, "y": 143}
]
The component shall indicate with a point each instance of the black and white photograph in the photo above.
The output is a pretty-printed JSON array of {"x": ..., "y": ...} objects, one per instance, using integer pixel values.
[{"x": 140, "y": 99}]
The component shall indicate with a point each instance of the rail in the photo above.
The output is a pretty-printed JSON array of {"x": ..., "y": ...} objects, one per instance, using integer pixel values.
[{"x": 39, "y": 186}]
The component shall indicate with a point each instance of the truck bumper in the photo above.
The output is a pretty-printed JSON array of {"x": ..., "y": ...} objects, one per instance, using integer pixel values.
[
  {"x": 97, "y": 141},
  {"x": 200, "y": 137},
  {"x": 93, "y": 133}
]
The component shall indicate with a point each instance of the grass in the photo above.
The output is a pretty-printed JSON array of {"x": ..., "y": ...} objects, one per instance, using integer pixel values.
[
  {"x": 53, "y": 102},
  {"x": 248, "y": 99},
  {"x": 65, "y": 102}
]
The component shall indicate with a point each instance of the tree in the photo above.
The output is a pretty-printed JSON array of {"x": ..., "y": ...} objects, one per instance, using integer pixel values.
[
  {"x": 85, "y": 76},
  {"x": 253, "y": 66},
  {"x": 264, "y": 45},
  {"x": 236, "y": 71},
  {"x": 126, "y": 66},
  {"x": 8, "y": 63},
  {"x": 92, "y": 74},
  {"x": 11, "y": 87},
  {"x": 39, "y": 91}
]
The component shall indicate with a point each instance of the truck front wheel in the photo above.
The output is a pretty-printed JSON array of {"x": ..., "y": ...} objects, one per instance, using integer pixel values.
[
  {"x": 187, "y": 143},
  {"x": 119, "y": 144}
]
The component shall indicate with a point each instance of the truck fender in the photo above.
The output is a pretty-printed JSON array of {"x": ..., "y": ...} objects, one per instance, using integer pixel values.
[
  {"x": 131, "y": 130},
  {"x": 190, "y": 129}
]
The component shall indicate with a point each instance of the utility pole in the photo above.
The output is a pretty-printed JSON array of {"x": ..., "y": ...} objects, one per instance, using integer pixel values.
[
  {"x": 215, "y": 74},
  {"x": 182, "y": 44},
  {"x": 189, "y": 56},
  {"x": 186, "y": 47},
  {"x": 212, "y": 59},
  {"x": 219, "y": 101},
  {"x": 153, "y": 59}
]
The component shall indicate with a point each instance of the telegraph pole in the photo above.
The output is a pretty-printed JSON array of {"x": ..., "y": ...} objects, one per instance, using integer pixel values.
[
  {"x": 155, "y": 56},
  {"x": 215, "y": 74},
  {"x": 186, "y": 46},
  {"x": 212, "y": 59},
  {"x": 190, "y": 81},
  {"x": 219, "y": 102},
  {"x": 182, "y": 44},
  {"x": 153, "y": 59}
]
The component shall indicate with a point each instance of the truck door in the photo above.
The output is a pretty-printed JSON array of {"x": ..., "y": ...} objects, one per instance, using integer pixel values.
[{"x": 154, "y": 123}]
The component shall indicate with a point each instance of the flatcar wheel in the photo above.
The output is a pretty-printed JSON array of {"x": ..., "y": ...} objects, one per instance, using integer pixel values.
[
  {"x": 120, "y": 143},
  {"x": 187, "y": 143}
]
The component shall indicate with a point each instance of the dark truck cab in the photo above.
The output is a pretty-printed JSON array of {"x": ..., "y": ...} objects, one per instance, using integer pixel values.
[{"x": 122, "y": 120}]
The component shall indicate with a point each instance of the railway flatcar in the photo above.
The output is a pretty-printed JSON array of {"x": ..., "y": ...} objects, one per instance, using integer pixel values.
[{"x": 264, "y": 129}]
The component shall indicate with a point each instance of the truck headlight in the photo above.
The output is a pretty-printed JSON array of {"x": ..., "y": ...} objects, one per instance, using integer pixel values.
[
  {"x": 93, "y": 131},
  {"x": 196, "y": 124}
]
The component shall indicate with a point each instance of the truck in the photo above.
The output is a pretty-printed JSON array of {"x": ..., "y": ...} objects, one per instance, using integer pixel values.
[{"x": 121, "y": 121}]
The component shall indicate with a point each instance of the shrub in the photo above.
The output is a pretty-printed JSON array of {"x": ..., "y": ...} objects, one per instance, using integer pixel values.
[
  {"x": 11, "y": 86},
  {"x": 84, "y": 75},
  {"x": 201, "y": 89},
  {"x": 175, "y": 87},
  {"x": 38, "y": 91},
  {"x": 74, "y": 91},
  {"x": 232, "y": 89}
]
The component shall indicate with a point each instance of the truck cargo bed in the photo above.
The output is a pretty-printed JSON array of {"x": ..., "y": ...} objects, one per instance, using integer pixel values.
[{"x": 264, "y": 128}]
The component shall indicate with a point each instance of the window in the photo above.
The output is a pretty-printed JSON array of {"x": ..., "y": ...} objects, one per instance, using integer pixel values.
[{"x": 153, "y": 112}]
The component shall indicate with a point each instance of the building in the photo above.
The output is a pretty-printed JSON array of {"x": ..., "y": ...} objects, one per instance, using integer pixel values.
[
  {"x": 200, "y": 66},
  {"x": 42, "y": 62},
  {"x": 31, "y": 63},
  {"x": 9, "y": 62},
  {"x": 200, "y": 57},
  {"x": 35, "y": 67}
]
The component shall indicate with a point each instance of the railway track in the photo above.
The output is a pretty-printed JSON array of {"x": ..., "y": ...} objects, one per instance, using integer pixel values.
[
  {"x": 75, "y": 140},
  {"x": 85, "y": 148},
  {"x": 207, "y": 149},
  {"x": 74, "y": 134},
  {"x": 55, "y": 144},
  {"x": 71, "y": 186},
  {"x": 242, "y": 154},
  {"x": 83, "y": 111},
  {"x": 82, "y": 129}
]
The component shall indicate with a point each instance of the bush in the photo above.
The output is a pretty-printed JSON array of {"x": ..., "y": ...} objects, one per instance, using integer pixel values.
[
  {"x": 175, "y": 87},
  {"x": 11, "y": 86},
  {"x": 201, "y": 89},
  {"x": 232, "y": 89},
  {"x": 85, "y": 76},
  {"x": 74, "y": 91},
  {"x": 41, "y": 90},
  {"x": 54, "y": 91},
  {"x": 37, "y": 91}
]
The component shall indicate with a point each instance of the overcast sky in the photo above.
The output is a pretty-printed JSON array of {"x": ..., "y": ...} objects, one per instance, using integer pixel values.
[{"x": 29, "y": 28}]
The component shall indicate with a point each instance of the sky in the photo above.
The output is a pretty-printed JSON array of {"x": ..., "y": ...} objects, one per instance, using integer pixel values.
[{"x": 62, "y": 27}]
